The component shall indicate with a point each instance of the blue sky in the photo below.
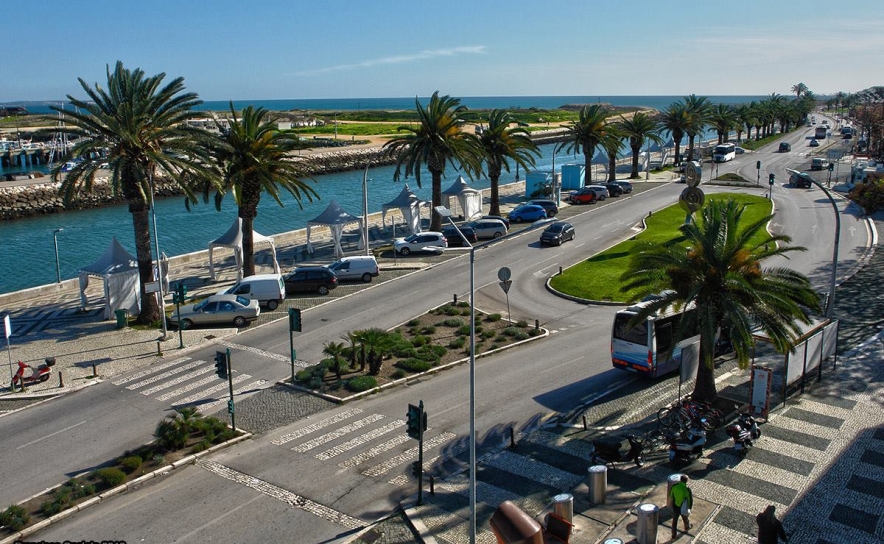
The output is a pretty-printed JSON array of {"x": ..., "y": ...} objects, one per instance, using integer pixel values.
[{"x": 265, "y": 49}]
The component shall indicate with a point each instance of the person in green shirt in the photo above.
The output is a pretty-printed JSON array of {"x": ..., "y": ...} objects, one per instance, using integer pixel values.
[{"x": 682, "y": 502}]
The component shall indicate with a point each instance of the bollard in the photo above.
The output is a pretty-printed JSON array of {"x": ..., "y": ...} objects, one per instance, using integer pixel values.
[
  {"x": 598, "y": 483},
  {"x": 94, "y": 372},
  {"x": 455, "y": 299},
  {"x": 536, "y": 324},
  {"x": 646, "y": 527},
  {"x": 560, "y": 271},
  {"x": 512, "y": 438},
  {"x": 585, "y": 427},
  {"x": 563, "y": 506},
  {"x": 432, "y": 485},
  {"x": 671, "y": 480},
  {"x": 60, "y": 380},
  {"x": 159, "y": 348}
]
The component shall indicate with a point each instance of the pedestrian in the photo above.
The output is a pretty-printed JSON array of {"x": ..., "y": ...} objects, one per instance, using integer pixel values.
[
  {"x": 770, "y": 530},
  {"x": 682, "y": 502}
]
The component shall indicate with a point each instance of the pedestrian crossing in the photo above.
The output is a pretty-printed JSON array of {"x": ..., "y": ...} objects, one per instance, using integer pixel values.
[{"x": 187, "y": 382}]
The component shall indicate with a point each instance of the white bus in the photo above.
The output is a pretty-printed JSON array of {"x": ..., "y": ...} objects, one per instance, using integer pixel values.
[
  {"x": 820, "y": 133},
  {"x": 724, "y": 152},
  {"x": 651, "y": 348}
]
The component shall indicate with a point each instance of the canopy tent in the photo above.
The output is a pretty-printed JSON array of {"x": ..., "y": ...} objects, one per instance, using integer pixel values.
[
  {"x": 233, "y": 239},
  {"x": 119, "y": 270},
  {"x": 409, "y": 205},
  {"x": 334, "y": 217},
  {"x": 469, "y": 199}
]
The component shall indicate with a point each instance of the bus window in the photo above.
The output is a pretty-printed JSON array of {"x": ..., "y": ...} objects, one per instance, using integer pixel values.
[
  {"x": 724, "y": 152},
  {"x": 820, "y": 133},
  {"x": 635, "y": 335},
  {"x": 663, "y": 333}
]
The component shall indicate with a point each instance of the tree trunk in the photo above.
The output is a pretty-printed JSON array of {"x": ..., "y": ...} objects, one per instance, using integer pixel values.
[
  {"x": 612, "y": 167},
  {"x": 704, "y": 388},
  {"x": 635, "y": 151},
  {"x": 435, "y": 218},
  {"x": 587, "y": 166},
  {"x": 150, "y": 310},
  {"x": 248, "y": 244}
]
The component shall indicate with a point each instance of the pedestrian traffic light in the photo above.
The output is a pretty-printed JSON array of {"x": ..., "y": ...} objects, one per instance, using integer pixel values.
[
  {"x": 414, "y": 421},
  {"x": 221, "y": 364},
  {"x": 758, "y": 165},
  {"x": 831, "y": 166},
  {"x": 181, "y": 289},
  {"x": 770, "y": 178},
  {"x": 295, "y": 319},
  {"x": 416, "y": 468}
]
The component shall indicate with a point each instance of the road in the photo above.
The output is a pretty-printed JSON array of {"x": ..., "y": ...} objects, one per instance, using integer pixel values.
[{"x": 516, "y": 390}]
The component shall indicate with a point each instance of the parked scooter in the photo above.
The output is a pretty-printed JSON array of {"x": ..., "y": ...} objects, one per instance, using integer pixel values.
[
  {"x": 688, "y": 444},
  {"x": 610, "y": 450},
  {"x": 28, "y": 375},
  {"x": 743, "y": 431}
]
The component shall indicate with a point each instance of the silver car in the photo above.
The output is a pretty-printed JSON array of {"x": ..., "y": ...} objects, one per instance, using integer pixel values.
[
  {"x": 488, "y": 228},
  {"x": 217, "y": 309}
]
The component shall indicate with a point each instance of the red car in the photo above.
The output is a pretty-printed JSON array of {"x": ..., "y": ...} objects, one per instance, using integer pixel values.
[{"x": 583, "y": 196}]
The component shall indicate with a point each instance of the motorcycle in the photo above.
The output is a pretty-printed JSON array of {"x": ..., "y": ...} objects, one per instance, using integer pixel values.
[
  {"x": 610, "y": 450},
  {"x": 743, "y": 431},
  {"x": 688, "y": 444},
  {"x": 37, "y": 375}
]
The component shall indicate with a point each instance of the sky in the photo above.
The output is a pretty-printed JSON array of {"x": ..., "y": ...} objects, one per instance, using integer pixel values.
[{"x": 269, "y": 49}]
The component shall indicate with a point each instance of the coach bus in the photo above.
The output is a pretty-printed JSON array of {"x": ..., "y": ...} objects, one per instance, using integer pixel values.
[
  {"x": 724, "y": 152},
  {"x": 820, "y": 133},
  {"x": 651, "y": 347}
]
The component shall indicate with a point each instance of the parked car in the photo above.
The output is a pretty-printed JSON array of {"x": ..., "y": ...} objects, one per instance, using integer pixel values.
[
  {"x": 626, "y": 186},
  {"x": 358, "y": 267},
  {"x": 583, "y": 196},
  {"x": 498, "y": 217},
  {"x": 549, "y": 205},
  {"x": 488, "y": 228},
  {"x": 557, "y": 233},
  {"x": 527, "y": 212},
  {"x": 814, "y": 142},
  {"x": 423, "y": 241},
  {"x": 614, "y": 189},
  {"x": 785, "y": 147},
  {"x": 601, "y": 192},
  {"x": 265, "y": 288},
  {"x": 310, "y": 279},
  {"x": 454, "y": 239},
  {"x": 217, "y": 309}
]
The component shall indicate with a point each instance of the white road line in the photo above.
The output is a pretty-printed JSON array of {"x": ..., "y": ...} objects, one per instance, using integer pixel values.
[
  {"x": 315, "y": 426},
  {"x": 359, "y": 440},
  {"x": 262, "y": 353},
  {"x": 176, "y": 381},
  {"x": 214, "y": 389},
  {"x": 407, "y": 455},
  {"x": 189, "y": 387},
  {"x": 150, "y": 371},
  {"x": 357, "y": 460},
  {"x": 164, "y": 375},
  {"x": 238, "y": 391},
  {"x": 51, "y": 435},
  {"x": 346, "y": 429}
]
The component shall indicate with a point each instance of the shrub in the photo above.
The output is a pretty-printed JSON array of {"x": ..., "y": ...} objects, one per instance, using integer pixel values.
[
  {"x": 500, "y": 338},
  {"x": 535, "y": 332},
  {"x": 398, "y": 374},
  {"x": 303, "y": 376},
  {"x": 225, "y": 436},
  {"x": 465, "y": 311},
  {"x": 464, "y": 330},
  {"x": 463, "y": 304},
  {"x": 510, "y": 331},
  {"x": 159, "y": 459},
  {"x": 169, "y": 435},
  {"x": 457, "y": 343},
  {"x": 494, "y": 317},
  {"x": 362, "y": 383},
  {"x": 404, "y": 349},
  {"x": 522, "y": 323},
  {"x": 452, "y": 322},
  {"x": 414, "y": 365},
  {"x": 421, "y": 340},
  {"x": 50, "y": 508},
  {"x": 130, "y": 464},
  {"x": 431, "y": 351},
  {"x": 488, "y": 334},
  {"x": 79, "y": 488},
  {"x": 479, "y": 330},
  {"x": 428, "y": 330},
  {"x": 414, "y": 323},
  {"x": 202, "y": 445},
  {"x": 521, "y": 335},
  {"x": 110, "y": 476},
  {"x": 450, "y": 310}
]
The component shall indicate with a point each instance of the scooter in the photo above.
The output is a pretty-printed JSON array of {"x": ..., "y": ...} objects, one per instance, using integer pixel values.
[
  {"x": 610, "y": 450},
  {"x": 36, "y": 375},
  {"x": 688, "y": 445},
  {"x": 743, "y": 432}
]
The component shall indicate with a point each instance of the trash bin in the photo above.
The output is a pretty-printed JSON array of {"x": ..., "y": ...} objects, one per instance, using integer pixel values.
[
  {"x": 122, "y": 318},
  {"x": 671, "y": 481},
  {"x": 646, "y": 527},
  {"x": 563, "y": 506},
  {"x": 598, "y": 483}
]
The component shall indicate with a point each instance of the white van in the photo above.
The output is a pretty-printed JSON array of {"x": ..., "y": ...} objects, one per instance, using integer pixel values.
[
  {"x": 267, "y": 289},
  {"x": 356, "y": 268},
  {"x": 818, "y": 163}
]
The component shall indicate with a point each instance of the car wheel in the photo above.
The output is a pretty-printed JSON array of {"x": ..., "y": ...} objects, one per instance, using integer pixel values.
[
  {"x": 323, "y": 290},
  {"x": 518, "y": 219},
  {"x": 497, "y": 235},
  {"x": 186, "y": 324},
  {"x": 366, "y": 277},
  {"x": 404, "y": 251},
  {"x": 272, "y": 305},
  {"x": 602, "y": 197},
  {"x": 239, "y": 321}
]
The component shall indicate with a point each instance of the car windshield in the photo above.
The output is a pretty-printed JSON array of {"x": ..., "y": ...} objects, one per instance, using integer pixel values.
[
  {"x": 242, "y": 301},
  {"x": 411, "y": 238},
  {"x": 201, "y": 305},
  {"x": 555, "y": 228}
]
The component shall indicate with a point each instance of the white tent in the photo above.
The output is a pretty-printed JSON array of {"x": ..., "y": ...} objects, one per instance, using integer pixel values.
[
  {"x": 469, "y": 199},
  {"x": 409, "y": 205},
  {"x": 334, "y": 217},
  {"x": 119, "y": 271},
  {"x": 233, "y": 239}
]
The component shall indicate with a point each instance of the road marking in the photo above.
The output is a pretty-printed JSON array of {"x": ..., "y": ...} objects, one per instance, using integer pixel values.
[
  {"x": 407, "y": 455},
  {"x": 164, "y": 375},
  {"x": 176, "y": 381},
  {"x": 360, "y": 440},
  {"x": 51, "y": 434},
  {"x": 239, "y": 391},
  {"x": 276, "y": 492},
  {"x": 189, "y": 387},
  {"x": 204, "y": 394},
  {"x": 375, "y": 451},
  {"x": 262, "y": 353},
  {"x": 150, "y": 371},
  {"x": 337, "y": 433},
  {"x": 315, "y": 426}
]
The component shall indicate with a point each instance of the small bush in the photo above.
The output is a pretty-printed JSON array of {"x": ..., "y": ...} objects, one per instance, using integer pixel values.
[
  {"x": 500, "y": 338},
  {"x": 303, "y": 376},
  {"x": 225, "y": 436},
  {"x": 488, "y": 334},
  {"x": 494, "y": 346},
  {"x": 452, "y": 322},
  {"x": 457, "y": 343},
  {"x": 414, "y": 323},
  {"x": 78, "y": 488},
  {"x": 202, "y": 445},
  {"x": 431, "y": 351},
  {"x": 450, "y": 310},
  {"x": 159, "y": 459},
  {"x": 494, "y": 317},
  {"x": 413, "y": 330},
  {"x": 463, "y": 304},
  {"x": 465, "y": 311},
  {"x": 535, "y": 332},
  {"x": 421, "y": 340},
  {"x": 464, "y": 330},
  {"x": 362, "y": 383},
  {"x": 398, "y": 374},
  {"x": 50, "y": 508},
  {"x": 130, "y": 464},
  {"x": 521, "y": 335},
  {"x": 414, "y": 365},
  {"x": 522, "y": 324},
  {"x": 428, "y": 330},
  {"x": 479, "y": 330},
  {"x": 510, "y": 331},
  {"x": 110, "y": 476}
]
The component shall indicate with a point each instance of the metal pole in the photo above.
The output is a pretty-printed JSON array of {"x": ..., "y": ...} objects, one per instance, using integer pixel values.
[
  {"x": 473, "y": 395},
  {"x": 830, "y": 303},
  {"x": 161, "y": 298},
  {"x": 230, "y": 386},
  {"x": 364, "y": 209},
  {"x": 57, "y": 266}
]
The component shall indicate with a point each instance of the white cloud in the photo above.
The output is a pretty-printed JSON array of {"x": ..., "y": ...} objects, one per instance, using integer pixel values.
[{"x": 400, "y": 59}]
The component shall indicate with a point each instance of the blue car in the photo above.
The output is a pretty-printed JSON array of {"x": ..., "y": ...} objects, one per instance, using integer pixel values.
[{"x": 527, "y": 212}]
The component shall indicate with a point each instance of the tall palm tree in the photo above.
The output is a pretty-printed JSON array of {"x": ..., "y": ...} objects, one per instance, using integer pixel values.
[
  {"x": 255, "y": 157},
  {"x": 637, "y": 129},
  {"x": 799, "y": 89},
  {"x": 719, "y": 270},
  {"x": 613, "y": 145},
  {"x": 723, "y": 118},
  {"x": 501, "y": 144},
  {"x": 440, "y": 138},
  {"x": 675, "y": 120},
  {"x": 139, "y": 128},
  {"x": 590, "y": 130},
  {"x": 697, "y": 108}
]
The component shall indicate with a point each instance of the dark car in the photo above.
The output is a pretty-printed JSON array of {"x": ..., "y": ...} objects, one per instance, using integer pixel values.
[
  {"x": 454, "y": 239},
  {"x": 785, "y": 148},
  {"x": 528, "y": 213},
  {"x": 801, "y": 180},
  {"x": 310, "y": 279},
  {"x": 626, "y": 186},
  {"x": 614, "y": 189},
  {"x": 557, "y": 233},
  {"x": 549, "y": 205}
]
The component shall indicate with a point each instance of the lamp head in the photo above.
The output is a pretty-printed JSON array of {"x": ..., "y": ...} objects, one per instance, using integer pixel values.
[{"x": 442, "y": 211}]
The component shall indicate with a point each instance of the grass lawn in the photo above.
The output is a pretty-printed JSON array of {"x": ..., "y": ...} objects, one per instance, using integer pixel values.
[{"x": 598, "y": 278}]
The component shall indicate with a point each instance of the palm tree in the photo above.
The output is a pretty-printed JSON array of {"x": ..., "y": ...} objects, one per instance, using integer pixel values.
[
  {"x": 139, "y": 128},
  {"x": 719, "y": 271},
  {"x": 697, "y": 108},
  {"x": 799, "y": 89},
  {"x": 334, "y": 350},
  {"x": 590, "y": 130},
  {"x": 638, "y": 128},
  {"x": 723, "y": 118},
  {"x": 613, "y": 145},
  {"x": 440, "y": 138},
  {"x": 501, "y": 142},
  {"x": 675, "y": 120},
  {"x": 254, "y": 157}
]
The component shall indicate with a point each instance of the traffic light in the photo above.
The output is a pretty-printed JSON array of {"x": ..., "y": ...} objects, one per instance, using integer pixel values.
[
  {"x": 221, "y": 364},
  {"x": 770, "y": 178},
  {"x": 416, "y": 468},
  {"x": 181, "y": 289},
  {"x": 414, "y": 422},
  {"x": 295, "y": 319},
  {"x": 831, "y": 166}
]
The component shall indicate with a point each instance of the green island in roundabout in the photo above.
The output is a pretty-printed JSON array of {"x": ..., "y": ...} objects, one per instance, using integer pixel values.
[{"x": 599, "y": 277}]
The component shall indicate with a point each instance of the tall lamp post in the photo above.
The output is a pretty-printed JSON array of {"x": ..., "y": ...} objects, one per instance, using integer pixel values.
[
  {"x": 57, "y": 265},
  {"x": 156, "y": 238}
]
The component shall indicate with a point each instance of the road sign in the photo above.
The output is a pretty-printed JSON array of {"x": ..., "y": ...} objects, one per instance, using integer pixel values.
[
  {"x": 505, "y": 285},
  {"x": 152, "y": 287},
  {"x": 504, "y": 274}
]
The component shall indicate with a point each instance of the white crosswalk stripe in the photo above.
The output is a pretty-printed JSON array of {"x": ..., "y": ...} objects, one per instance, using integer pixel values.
[
  {"x": 346, "y": 429},
  {"x": 407, "y": 455},
  {"x": 247, "y": 387},
  {"x": 189, "y": 387},
  {"x": 149, "y": 371},
  {"x": 207, "y": 393},
  {"x": 164, "y": 375},
  {"x": 180, "y": 379},
  {"x": 360, "y": 440},
  {"x": 315, "y": 426}
]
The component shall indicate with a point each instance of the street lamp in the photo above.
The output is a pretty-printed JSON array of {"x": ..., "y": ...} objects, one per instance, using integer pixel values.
[
  {"x": 156, "y": 234},
  {"x": 57, "y": 266}
]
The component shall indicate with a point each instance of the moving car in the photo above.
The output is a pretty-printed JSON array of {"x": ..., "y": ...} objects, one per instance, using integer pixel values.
[
  {"x": 583, "y": 196},
  {"x": 549, "y": 205},
  {"x": 800, "y": 180},
  {"x": 310, "y": 279},
  {"x": 785, "y": 147},
  {"x": 818, "y": 163},
  {"x": 557, "y": 233},
  {"x": 488, "y": 228},
  {"x": 454, "y": 239},
  {"x": 739, "y": 150},
  {"x": 625, "y": 185},
  {"x": 814, "y": 142},
  {"x": 614, "y": 189},
  {"x": 527, "y": 212},
  {"x": 360, "y": 267},
  {"x": 423, "y": 241},
  {"x": 217, "y": 309}
]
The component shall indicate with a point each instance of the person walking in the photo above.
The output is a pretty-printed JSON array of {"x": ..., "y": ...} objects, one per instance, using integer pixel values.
[
  {"x": 682, "y": 502},
  {"x": 770, "y": 530}
]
